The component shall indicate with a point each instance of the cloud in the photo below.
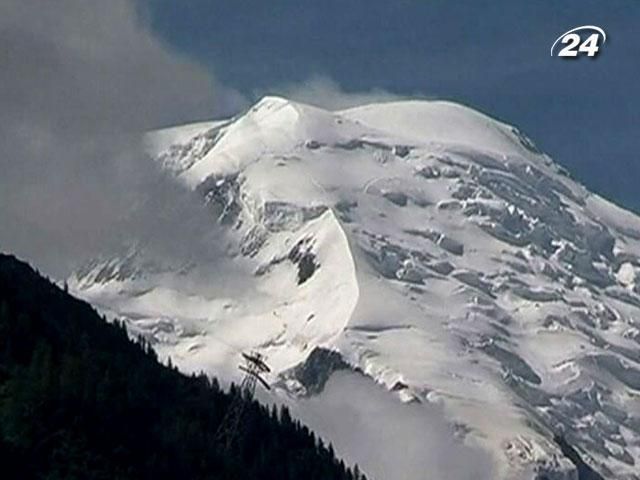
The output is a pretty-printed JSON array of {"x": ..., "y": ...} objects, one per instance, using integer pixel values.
[
  {"x": 387, "y": 438},
  {"x": 80, "y": 81},
  {"x": 324, "y": 92}
]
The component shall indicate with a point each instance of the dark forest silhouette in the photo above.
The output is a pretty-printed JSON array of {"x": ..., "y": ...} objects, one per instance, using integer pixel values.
[{"x": 80, "y": 400}]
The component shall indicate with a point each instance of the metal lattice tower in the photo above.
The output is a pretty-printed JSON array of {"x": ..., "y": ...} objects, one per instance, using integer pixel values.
[{"x": 253, "y": 367}]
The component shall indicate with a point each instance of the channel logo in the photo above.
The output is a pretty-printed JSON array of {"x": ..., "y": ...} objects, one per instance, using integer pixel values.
[{"x": 580, "y": 41}]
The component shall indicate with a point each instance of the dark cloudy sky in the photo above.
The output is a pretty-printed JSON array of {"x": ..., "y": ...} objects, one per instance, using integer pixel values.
[{"x": 493, "y": 55}]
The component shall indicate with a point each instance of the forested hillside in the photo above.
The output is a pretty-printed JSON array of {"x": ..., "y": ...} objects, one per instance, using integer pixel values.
[{"x": 79, "y": 400}]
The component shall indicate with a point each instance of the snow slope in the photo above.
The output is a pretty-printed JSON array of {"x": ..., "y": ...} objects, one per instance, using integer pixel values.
[{"x": 433, "y": 248}]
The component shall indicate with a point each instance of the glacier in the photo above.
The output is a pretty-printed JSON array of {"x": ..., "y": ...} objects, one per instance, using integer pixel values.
[{"x": 422, "y": 245}]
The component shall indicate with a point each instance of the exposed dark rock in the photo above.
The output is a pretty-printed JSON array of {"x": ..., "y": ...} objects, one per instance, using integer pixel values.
[
  {"x": 312, "y": 144},
  {"x": 306, "y": 267},
  {"x": 401, "y": 150},
  {"x": 314, "y": 372},
  {"x": 305, "y": 259},
  {"x": 398, "y": 386}
]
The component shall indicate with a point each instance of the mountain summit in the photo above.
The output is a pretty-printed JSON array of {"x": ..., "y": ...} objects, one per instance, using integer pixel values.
[{"x": 428, "y": 246}]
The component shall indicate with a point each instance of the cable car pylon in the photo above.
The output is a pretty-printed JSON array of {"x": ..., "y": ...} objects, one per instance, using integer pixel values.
[{"x": 253, "y": 367}]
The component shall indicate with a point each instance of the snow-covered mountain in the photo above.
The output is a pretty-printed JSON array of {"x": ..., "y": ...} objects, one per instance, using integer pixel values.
[{"x": 424, "y": 244}]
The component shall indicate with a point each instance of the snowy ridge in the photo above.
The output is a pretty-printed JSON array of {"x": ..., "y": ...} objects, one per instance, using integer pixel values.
[{"x": 436, "y": 249}]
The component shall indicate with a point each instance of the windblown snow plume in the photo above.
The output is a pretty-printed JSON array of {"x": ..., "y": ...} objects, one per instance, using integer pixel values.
[{"x": 423, "y": 245}]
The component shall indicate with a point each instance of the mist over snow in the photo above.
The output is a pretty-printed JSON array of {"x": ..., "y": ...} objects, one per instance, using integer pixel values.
[
  {"x": 322, "y": 91},
  {"x": 394, "y": 440},
  {"x": 79, "y": 83}
]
